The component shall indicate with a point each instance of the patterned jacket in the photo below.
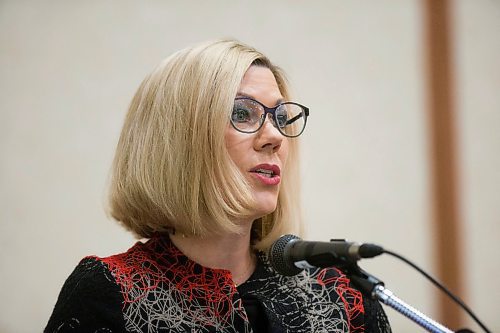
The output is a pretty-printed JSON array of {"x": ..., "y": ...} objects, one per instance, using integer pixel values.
[{"x": 153, "y": 287}]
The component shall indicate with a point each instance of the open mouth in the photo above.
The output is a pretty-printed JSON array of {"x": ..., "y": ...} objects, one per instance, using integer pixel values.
[
  {"x": 268, "y": 174},
  {"x": 265, "y": 172}
]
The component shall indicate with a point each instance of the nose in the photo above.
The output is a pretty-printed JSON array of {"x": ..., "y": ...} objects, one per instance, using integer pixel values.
[{"x": 268, "y": 137}]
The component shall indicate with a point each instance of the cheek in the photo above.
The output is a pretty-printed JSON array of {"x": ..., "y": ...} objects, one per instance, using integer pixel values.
[
  {"x": 237, "y": 146},
  {"x": 231, "y": 142}
]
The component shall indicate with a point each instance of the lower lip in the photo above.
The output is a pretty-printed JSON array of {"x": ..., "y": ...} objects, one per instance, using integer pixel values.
[{"x": 275, "y": 180}]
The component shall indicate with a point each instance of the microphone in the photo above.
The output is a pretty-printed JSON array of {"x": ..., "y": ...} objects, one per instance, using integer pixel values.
[{"x": 289, "y": 255}]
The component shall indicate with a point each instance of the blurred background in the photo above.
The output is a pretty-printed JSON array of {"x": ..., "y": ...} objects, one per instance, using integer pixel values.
[{"x": 371, "y": 169}]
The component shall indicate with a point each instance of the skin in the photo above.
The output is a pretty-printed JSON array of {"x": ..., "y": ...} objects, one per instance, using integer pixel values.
[{"x": 269, "y": 146}]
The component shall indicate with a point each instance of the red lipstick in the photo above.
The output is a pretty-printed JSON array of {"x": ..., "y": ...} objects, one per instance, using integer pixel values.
[{"x": 267, "y": 174}]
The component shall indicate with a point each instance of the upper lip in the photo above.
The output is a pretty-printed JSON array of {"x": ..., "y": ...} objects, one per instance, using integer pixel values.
[{"x": 272, "y": 167}]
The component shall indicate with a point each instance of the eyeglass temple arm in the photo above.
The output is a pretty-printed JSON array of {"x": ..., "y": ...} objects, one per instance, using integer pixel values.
[{"x": 288, "y": 122}]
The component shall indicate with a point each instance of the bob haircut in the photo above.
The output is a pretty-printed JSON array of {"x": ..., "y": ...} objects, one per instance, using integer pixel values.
[{"x": 172, "y": 172}]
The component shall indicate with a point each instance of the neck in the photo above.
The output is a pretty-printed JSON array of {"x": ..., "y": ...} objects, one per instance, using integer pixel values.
[{"x": 231, "y": 251}]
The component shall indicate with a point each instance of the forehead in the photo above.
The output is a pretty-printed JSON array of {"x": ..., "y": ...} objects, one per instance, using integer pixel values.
[{"x": 259, "y": 83}]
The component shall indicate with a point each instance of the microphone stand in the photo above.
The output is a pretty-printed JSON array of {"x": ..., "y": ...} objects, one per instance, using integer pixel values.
[{"x": 372, "y": 286}]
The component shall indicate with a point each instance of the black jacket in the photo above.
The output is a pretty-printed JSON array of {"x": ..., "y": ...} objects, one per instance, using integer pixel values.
[{"x": 153, "y": 287}]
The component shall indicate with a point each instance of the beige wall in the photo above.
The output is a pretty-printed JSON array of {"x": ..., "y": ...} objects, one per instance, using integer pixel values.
[
  {"x": 477, "y": 45},
  {"x": 68, "y": 72}
]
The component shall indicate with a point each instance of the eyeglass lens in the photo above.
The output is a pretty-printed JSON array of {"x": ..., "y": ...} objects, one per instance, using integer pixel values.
[{"x": 248, "y": 117}]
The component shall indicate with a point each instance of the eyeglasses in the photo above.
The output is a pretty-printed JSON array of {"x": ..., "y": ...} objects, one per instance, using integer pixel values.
[{"x": 249, "y": 115}]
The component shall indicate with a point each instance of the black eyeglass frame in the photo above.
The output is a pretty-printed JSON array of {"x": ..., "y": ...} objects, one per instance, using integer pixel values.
[{"x": 272, "y": 111}]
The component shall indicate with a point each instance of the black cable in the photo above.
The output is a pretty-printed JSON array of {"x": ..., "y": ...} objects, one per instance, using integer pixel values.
[{"x": 443, "y": 288}]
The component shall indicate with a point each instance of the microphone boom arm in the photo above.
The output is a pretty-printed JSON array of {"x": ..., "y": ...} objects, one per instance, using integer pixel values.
[
  {"x": 289, "y": 255},
  {"x": 372, "y": 286}
]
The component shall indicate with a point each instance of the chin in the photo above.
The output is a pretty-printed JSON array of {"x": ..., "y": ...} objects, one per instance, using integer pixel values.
[{"x": 265, "y": 203}]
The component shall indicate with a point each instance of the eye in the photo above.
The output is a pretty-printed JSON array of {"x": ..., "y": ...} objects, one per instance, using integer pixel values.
[
  {"x": 241, "y": 115},
  {"x": 282, "y": 118}
]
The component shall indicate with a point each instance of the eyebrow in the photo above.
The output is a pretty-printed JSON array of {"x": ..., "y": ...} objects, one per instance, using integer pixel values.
[{"x": 240, "y": 94}]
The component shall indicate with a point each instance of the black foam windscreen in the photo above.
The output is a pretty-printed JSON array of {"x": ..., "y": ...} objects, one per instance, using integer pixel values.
[{"x": 277, "y": 256}]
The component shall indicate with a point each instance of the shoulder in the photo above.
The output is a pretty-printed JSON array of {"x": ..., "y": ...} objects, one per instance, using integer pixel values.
[
  {"x": 89, "y": 279},
  {"x": 89, "y": 301},
  {"x": 96, "y": 294},
  {"x": 143, "y": 266},
  {"x": 326, "y": 294}
]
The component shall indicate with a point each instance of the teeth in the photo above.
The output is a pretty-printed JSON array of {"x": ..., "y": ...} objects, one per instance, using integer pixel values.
[{"x": 265, "y": 172}]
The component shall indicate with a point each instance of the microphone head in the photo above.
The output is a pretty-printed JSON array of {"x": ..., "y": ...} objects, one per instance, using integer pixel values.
[{"x": 278, "y": 256}]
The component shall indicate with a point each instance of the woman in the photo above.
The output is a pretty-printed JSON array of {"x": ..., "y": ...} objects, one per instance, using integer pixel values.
[{"x": 207, "y": 169}]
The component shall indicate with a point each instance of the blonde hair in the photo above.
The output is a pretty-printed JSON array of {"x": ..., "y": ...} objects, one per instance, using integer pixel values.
[{"x": 171, "y": 169}]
